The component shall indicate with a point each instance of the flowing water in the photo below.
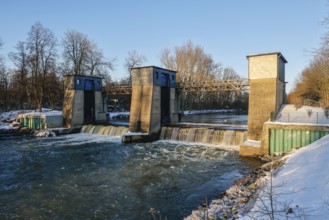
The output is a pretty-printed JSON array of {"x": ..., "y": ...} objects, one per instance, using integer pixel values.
[
  {"x": 204, "y": 135},
  {"x": 87, "y": 176}
]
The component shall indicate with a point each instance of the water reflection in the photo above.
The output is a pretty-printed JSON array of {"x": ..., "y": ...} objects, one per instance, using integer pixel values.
[{"x": 231, "y": 119}]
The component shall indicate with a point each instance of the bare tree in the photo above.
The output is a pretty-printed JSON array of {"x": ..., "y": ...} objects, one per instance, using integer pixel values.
[
  {"x": 83, "y": 57},
  {"x": 1, "y": 57},
  {"x": 192, "y": 65},
  {"x": 4, "y": 83},
  {"x": 313, "y": 82},
  {"x": 133, "y": 60},
  {"x": 76, "y": 51},
  {"x": 97, "y": 64},
  {"x": 41, "y": 50},
  {"x": 20, "y": 78}
]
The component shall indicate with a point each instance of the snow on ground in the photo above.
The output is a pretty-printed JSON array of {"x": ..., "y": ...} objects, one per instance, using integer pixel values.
[
  {"x": 303, "y": 115},
  {"x": 6, "y": 119},
  {"x": 129, "y": 133},
  {"x": 252, "y": 143},
  {"x": 12, "y": 115},
  {"x": 5, "y": 126},
  {"x": 44, "y": 113},
  {"x": 114, "y": 114},
  {"x": 300, "y": 186}
]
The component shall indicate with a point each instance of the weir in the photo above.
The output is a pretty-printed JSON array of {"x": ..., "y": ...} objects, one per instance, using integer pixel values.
[
  {"x": 204, "y": 135},
  {"x": 104, "y": 130}
]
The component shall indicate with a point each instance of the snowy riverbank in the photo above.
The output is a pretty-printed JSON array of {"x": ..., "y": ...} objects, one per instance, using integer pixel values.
[{"x": 299, "y": 189}]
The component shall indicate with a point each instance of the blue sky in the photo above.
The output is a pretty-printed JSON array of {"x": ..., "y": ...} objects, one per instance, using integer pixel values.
[{"x": 227, "y": 29}]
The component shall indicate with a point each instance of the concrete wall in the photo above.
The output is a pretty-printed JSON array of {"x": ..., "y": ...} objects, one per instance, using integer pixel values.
[
  {"x": 100, "y": 114},
  {"x": 280, "y": 95},
  {"x": 140, "y": 109},
  {"x": 155, "y": 124},
  {"x": 78, "y": 108},
  {"x": 68, "y": 103},
  {"x": 54, "y": 121},
  {"x": 263, "y": 66},
  {"x": 174, "y": 106},
  {"x": 269, "y": 125},
  {"x": 262, "y": 101}
]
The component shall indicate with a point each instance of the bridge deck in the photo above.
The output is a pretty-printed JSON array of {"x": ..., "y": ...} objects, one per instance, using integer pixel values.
[{"x": 206, "y": 86}]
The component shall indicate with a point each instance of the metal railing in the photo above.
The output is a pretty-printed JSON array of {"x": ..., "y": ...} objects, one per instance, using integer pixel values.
[
  {"x": 318, "y": 118},
  {"x": 211, "y": 86},
  {"x": 118, "y": 89}
]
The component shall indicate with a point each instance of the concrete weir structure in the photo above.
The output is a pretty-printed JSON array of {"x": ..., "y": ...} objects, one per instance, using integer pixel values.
[
  {"x": 267, "y": 94},
  {"x": 153, "y": 102},
  {"x": 83, "y": 100}
]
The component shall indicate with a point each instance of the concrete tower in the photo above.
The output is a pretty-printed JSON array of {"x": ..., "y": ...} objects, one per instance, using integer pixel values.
[
  {"x": 83, "y": 100},
  {"x": 267, "y": 89},
  {"x": 153, "y": 100}
]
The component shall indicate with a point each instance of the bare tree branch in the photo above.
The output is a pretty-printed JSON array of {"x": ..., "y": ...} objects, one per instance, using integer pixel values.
[{"x": 133, "y": 60}]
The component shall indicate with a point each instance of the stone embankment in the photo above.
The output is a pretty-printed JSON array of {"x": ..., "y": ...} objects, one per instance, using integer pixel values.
[{"x": 240, "y": 197}]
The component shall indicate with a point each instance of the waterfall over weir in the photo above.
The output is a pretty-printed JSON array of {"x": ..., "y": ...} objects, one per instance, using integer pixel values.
[
  {"x": 104, "y": 130},
  {"x": 204, "y": 135}
]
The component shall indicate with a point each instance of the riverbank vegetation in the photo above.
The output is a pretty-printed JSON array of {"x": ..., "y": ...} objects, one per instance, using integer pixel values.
[{"x": 312, "y": 85}]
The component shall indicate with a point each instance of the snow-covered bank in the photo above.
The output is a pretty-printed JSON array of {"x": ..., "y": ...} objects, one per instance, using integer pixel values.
[
  {"x": 299, "y": 189},
  {"x": 6, "y": 118},
  {"x": 44, "y": 113},
  {"x": 118, "y": 116},
  {"x": 9, "y": 123},
  {"x": 304, "y": 115},
  {"x": 232, "y": 203}
]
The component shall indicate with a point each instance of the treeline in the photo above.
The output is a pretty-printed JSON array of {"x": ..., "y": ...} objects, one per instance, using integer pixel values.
[
  {"x": 312, "y": 85},
  {"x": 35, "y": 77},
  {"x": 193, "y": 64}
]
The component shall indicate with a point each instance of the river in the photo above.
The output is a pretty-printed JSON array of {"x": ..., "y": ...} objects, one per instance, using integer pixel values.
[{"x": 84, "y": 176}]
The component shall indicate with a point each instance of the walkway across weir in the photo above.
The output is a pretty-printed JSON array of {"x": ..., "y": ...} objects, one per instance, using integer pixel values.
[{"x": 205, "y": 86}]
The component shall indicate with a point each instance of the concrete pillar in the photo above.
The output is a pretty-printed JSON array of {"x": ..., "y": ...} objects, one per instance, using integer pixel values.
[
  {"x": 75, "y": 87},
  {"x": 153, "y": 100},
  {"x": 267, "y": 90}
]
